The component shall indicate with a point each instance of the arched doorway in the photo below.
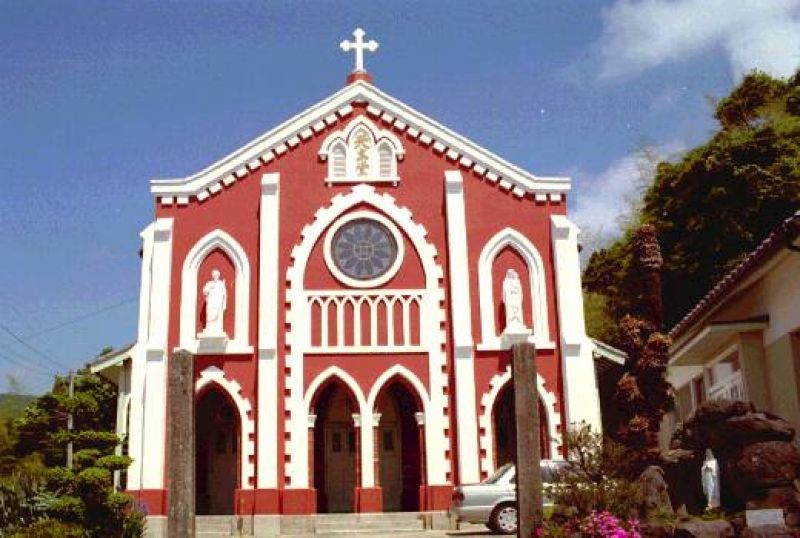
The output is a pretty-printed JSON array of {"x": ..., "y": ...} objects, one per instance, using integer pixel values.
[
  {"x": 398, "y": 448},
  {"x": 216, "y": 453},
  {"x": 505, "y": 428},
  {"x": 335, "y": 448}
]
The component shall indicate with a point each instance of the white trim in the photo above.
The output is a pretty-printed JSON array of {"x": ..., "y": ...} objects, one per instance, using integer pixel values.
[
  {"x": 135, "y": 441},
  {"x": 396, "y": 370},
  {"x": 581, "y": 396},
  {"x": 247, "y": 427},
  {"x": 509, "y": 237},
  {"x": 488, "y": 400},
  {"x": 343, "y": 138},
  {"x": 354, "y": 282},
  {"x": 463, "y": 349},
  {"x": 269, "y": 241},
  {"x": 380, "y": 104},
  {"x": 432, "y": 317},
  {"x": 215, "y": 239}
]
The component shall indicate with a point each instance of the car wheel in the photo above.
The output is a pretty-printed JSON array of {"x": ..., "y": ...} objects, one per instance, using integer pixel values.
[{"x": 504, "y": 519}]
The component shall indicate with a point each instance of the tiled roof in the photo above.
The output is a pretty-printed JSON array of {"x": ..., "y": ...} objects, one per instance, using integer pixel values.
[{"x": 782, "y": 236}]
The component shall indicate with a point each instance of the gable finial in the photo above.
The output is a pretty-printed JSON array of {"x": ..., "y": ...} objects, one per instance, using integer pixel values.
[{"x": 359, "y": 46}]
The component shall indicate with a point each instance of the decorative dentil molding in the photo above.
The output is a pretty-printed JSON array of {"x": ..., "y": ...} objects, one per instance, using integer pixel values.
[{"x": 319, "y": 118}]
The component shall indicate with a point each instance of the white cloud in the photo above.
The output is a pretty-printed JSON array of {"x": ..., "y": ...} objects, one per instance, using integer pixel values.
[
  {"x": 603, "y": 201},
  {"x": 642, "y": 34}
]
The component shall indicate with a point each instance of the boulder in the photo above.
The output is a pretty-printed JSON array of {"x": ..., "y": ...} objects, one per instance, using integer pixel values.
[
  {"x": 785, "y": 497},
  {"x": 763, "y": 465},
  {"x": 703, "y": 529},
  {"x": 754, "y": 427},
  {"x": 655, "y": 496}
]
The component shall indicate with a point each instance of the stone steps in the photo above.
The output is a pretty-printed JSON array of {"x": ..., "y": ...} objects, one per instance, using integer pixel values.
[{"x": 394, "y": 524}]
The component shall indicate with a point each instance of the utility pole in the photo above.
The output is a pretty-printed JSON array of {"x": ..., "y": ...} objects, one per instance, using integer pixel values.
[
  {"x": 529, "y": 454},
  {"x": 70, "y": 425}
]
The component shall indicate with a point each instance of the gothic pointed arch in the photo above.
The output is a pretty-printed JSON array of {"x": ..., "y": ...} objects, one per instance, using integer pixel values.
[
  {"x": 431, "y": 311},
  {"x": 485, "y": 421},
  {"x": 511, "y": 238},
  {"x": 362, "y": 152},
  {"x": 215, "y": 240},
  {"x": 233, "y": 390}
]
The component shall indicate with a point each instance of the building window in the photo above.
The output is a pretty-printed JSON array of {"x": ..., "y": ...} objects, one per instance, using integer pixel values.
[
  {"x": 385, "y": 161},
  {"x": 725, "y": 379},
  {"x": 338, "y": 161}
]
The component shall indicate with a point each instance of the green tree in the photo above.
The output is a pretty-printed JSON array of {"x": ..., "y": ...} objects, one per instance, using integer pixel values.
[
  {"x": 81, "y": 499},
  {"x": 715, "y": 204}
]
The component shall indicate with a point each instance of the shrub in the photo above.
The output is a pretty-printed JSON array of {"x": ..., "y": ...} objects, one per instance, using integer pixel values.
[{"x": 596, "y": 477}]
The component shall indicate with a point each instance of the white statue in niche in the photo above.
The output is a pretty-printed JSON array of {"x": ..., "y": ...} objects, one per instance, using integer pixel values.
[
  {"x": 512, "y": 300},
  {"x": 216, "y": 302},
  {"x": 710, "y": 479}
]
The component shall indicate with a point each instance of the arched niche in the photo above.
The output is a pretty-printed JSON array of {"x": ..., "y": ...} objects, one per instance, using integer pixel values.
[
  {"x": 513, "y": 247},
  {"x": 221, "y": 247}
]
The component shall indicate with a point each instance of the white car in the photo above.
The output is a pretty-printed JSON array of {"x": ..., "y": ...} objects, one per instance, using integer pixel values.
[{"x": 493, "y": 502}]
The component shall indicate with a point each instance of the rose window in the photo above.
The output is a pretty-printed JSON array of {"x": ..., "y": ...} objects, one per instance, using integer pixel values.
[{"x": 363, "y": 249}]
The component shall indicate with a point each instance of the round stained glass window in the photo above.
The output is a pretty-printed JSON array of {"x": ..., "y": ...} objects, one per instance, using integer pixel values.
[{"x": 364, "y": 249}]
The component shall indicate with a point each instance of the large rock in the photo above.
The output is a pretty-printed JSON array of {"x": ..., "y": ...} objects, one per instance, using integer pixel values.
[
  {"x": 654, "y": 490},
  {"x": 703, "y": 529},
  {"x": 754, "y": 427},
  {"x": 785, "y": 497},
  {"x": 764, "y": 465}
]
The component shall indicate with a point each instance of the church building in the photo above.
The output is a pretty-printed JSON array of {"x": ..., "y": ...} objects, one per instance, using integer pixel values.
[{"x": 349, "y": 285}]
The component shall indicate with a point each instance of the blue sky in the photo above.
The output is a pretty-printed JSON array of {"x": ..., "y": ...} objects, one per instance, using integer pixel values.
[{"x": 97, "y": 98}]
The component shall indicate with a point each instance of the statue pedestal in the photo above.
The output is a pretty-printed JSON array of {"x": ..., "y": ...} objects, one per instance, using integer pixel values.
[
  {"x": 211, "y": 342},
  {"x": 515, "y": 335}
]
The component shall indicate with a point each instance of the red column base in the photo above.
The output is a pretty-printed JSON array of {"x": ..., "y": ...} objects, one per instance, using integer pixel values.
[
  {"x": 152, "y": 501},
  {"x": 435, "y": 497},
  {"x": 266, "y": 501},
  {"x": 369, "y": 500},
  {"x": 299, "y": 501}
]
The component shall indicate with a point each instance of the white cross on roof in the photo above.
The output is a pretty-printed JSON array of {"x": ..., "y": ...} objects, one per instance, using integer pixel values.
[{"x": 359, "y": 45}]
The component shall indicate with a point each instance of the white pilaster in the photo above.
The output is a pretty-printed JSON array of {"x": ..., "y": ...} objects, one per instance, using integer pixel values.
[
  {"x": 136, "y": 427},
  {"x": 154, "y": 402},
  {"x": 464, "y": 360},
  {"x": 581, "y": 396},
  {"x": 267, "y": 466}
]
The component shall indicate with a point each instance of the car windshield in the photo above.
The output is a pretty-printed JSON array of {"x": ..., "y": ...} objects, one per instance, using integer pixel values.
[
  {"x": 550, "y": 472},
  {"x": 498, "y": 474}
]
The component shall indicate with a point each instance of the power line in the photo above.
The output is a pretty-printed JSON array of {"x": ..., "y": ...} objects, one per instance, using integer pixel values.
[
  {"x": 30, "y": 367},
  {"x": 82, "y": 317},
  {"x": 27, "y": 345}
]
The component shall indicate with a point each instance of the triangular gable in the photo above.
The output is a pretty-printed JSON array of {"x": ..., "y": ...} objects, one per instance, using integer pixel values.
[{"x": 316, "y": 119}]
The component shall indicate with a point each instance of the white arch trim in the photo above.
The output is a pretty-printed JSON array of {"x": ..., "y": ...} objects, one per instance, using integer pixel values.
[
  {"x": 509, "y": 237},
  {"x": 486, "y": 424},
  {"x": 216, "y": 239},
  {"x": 233, "y": 389},
  {"x": 380, "y": 137},
  {"x": 405, "y": 373},
  {"x": 432, "y": 316},
  {"x": 344, "y": 377}
]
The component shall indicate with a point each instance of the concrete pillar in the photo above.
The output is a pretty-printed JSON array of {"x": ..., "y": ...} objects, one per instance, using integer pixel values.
[
  {"x": 181, "y": 475},
  {"x": 526, "y": 402},
  {"x": 751, "y": 355}
]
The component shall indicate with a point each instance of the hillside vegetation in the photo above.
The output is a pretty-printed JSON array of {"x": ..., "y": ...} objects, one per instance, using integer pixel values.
[{"x": 710, "y": 208}]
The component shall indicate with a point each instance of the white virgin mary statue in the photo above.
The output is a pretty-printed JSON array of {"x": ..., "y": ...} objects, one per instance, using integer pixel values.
[
  {"x": 216, "y": 303},
  {"x": 710, "y": 479},
  {"x": 512, "y": 300}
]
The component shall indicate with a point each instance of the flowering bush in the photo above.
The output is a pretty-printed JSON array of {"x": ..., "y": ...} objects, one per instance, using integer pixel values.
[{"x": 606, "y": 525}]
